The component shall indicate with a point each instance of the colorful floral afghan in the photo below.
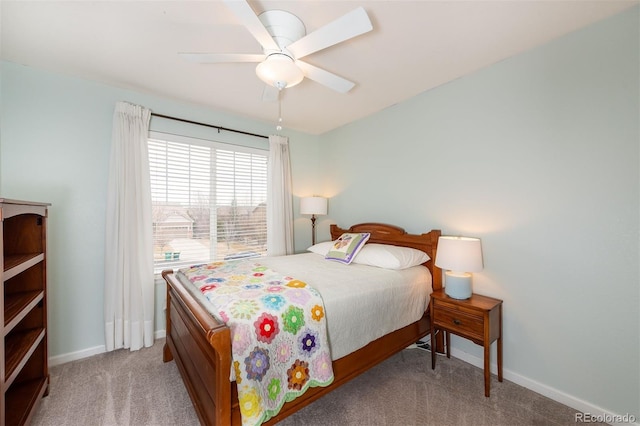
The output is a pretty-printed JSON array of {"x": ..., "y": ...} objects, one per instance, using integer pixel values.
[{"x": 278, "y": 333}]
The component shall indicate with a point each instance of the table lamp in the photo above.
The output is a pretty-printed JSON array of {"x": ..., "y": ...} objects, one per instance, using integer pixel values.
[
  {"x": 459, "y": 256},
  {"x": 313, "y": 206}
]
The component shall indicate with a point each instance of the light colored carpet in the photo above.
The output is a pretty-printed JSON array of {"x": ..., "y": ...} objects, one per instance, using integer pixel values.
[{"x": 137, "y": 388}]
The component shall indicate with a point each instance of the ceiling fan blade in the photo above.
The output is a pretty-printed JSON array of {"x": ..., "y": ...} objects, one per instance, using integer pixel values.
[
  {"x": 250, "y": 20},
  {"x": 348, "y": 26},
  {"x": 325, "y": 78},
  {"x": 215, "y": 58}
]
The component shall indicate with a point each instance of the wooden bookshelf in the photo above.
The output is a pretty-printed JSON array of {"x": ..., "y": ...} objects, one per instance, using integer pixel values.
[{"x": 24, "y": 373}]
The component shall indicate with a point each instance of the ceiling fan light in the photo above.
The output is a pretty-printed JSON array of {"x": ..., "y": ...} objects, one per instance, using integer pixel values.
[{"x": 280, "y": 71}]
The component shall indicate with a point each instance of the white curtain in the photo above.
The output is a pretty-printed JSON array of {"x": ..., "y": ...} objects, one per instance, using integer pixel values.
[
  {"x": 129, "y": 281},
  {"x": 279, "y": 205}
]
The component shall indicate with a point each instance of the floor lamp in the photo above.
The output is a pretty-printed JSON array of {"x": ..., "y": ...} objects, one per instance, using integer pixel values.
[{"x": 313, "y": 206}]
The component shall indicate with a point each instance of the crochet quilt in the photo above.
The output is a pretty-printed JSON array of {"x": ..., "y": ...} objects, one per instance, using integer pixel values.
[{"x": 278, "y": 331}]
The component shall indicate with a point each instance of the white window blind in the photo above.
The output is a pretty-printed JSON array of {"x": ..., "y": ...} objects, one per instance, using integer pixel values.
[{"x": 209, "y": 201}]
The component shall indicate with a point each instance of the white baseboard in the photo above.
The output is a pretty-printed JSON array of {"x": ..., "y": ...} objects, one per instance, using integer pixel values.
[
  {"x": 549, "y": 392},
  {"x": 73, "y": 356},
  {"x": 86, "y": 353}
]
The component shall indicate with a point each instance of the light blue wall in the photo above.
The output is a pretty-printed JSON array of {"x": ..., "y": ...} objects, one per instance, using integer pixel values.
[
  {"x": 55, "y": 144},
  {"x": 539, "y": 157}
]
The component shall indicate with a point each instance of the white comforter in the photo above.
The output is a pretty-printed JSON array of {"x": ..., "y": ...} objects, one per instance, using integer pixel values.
[{"x": 362, "y": 303}]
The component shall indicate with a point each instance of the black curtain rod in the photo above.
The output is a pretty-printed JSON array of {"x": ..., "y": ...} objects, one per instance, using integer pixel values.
[{"x": 208, "y": 125}]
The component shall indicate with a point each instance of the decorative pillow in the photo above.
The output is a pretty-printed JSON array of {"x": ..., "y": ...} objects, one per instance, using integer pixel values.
[
  {"x": 321, "y": 248},
  {"x": 347, "y": 247},
  {"x": 390, "y": 257}
]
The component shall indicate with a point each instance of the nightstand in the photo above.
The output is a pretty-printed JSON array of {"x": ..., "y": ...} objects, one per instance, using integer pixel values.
[{"x": 478, "y": 319}]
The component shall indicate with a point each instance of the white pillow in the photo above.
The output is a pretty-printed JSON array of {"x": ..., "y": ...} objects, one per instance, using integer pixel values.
[
  {"x": 390, "y": 257},
  {"x": 321, "y": 248}
]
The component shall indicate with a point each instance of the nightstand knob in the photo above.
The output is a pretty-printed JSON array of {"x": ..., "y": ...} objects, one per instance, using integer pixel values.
[{"x": 456, "y": 321}]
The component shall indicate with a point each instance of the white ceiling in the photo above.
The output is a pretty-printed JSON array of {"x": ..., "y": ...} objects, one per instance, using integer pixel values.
[{"x": 414, "y": 46}]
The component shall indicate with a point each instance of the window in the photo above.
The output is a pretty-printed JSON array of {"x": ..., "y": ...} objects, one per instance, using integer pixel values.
[{"x": 208, "y": 199}]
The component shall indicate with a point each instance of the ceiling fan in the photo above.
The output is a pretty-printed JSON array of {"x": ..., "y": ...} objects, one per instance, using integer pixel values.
[{"x": 284, "y": 41}]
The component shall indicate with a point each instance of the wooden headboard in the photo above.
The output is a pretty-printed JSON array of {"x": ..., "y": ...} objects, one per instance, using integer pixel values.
[{"x": 388, "y": 234}]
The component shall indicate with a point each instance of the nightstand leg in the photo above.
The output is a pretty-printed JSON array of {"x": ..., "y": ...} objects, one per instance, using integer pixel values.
[
  {"x": 487, "y": 372},
  {"x": 500, "y": 344},
  {"x": 433, "y": 349},
  {"x": 499, "y": 359},
  {"x": 447, "y": 336}
]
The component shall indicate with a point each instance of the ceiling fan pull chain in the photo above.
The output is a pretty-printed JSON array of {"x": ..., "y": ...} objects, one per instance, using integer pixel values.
[{"x": 279, "y": 125}]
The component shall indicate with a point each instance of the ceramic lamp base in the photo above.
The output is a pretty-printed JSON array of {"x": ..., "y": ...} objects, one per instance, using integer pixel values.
[{"x": 458, "y": 284}]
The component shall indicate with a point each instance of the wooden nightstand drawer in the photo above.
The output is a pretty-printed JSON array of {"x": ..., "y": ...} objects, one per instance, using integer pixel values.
[
  {"x": 450, "y": 305},
  {"x": 460, "y": 322}
]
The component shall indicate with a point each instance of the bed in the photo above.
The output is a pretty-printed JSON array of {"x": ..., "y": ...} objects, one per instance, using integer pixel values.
[{"x": 201, "y": 345}]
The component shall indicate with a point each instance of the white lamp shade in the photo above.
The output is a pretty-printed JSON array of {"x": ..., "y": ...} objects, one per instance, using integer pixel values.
[
  {"x": 313, "y": 205},
  {"x": 280, "y": 71},
  {"x": 459, "y": 254}
]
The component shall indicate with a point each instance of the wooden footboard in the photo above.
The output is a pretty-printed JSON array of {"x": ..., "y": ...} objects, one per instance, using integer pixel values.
[{"x": 201, "y": 347}]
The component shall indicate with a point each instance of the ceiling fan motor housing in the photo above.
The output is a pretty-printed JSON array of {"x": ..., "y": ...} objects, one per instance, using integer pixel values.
[
  {"x": 284, "y": 27},
  {"x": 279, "y": 69}
]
